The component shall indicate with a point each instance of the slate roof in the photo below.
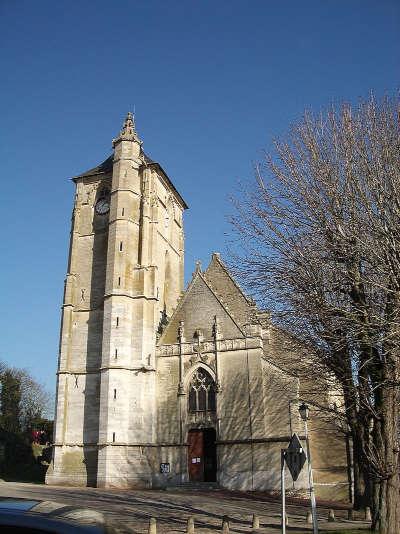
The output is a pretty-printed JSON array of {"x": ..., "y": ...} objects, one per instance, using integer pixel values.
[
  {"x": 220, "y": 296},
  {"x": 107, "y": 165},
  {"x": 197, "y": 307},
  {"x": 223, "y": 283},
  {"x": 102, "y": 168}
]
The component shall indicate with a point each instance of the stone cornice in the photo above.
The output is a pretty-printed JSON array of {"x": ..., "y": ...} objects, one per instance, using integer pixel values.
[
  {"x": 140, "y": 367},
  {"x": 125, "y": 219},
  {"x": 125, "y": 190},
  {"x": 144, "y": 368},
  {"x": 272, "y": 439},
  {"x": 244, "y": 441},
  {"x": 223, "y": 345},
  {"x": 91, "y": 234},
  {"x": 118, "y": 444},
  {"x": 114, "y": 294},
  {"x": 131, "y": 158}
]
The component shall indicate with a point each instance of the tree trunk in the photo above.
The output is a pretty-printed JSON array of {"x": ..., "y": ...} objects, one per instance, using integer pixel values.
[
  {"x": 365, "y": 432},
  {"x": 386, "y": 501},
  {"x": 368, "y": 487},
  {"x": 359, "y": 429},
  {"x": 358, "y": 470},
  {"x": 386, "y": 516}
]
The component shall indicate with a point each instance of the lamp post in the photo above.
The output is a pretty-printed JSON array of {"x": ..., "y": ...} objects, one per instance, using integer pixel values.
[{"x": 304, "y": 414}]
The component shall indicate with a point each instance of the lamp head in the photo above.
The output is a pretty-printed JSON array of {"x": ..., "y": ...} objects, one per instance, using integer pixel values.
[{"x": 304, "y": 411}]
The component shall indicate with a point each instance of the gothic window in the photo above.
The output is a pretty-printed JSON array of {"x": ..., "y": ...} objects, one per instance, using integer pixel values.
[{"x": 201, "y": 392}]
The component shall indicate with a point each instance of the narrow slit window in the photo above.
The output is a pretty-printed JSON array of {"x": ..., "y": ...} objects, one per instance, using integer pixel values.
[
  {"x": 119, "y": 281},
  {"x": 116, "y": 353},
  {"x": 115, "y": 393},
  {"x": 113, "y": 437},
  {"x": 123, "y": 212},
  {"x": 120, "y": 246},
  {"x": 117, "y": 322}
]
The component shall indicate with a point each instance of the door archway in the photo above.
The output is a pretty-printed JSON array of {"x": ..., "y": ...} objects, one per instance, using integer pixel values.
[{"x": 202, "y": 455}]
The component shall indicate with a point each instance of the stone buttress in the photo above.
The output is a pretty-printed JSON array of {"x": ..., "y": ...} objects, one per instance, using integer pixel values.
[{"x": 125, "y": 274}]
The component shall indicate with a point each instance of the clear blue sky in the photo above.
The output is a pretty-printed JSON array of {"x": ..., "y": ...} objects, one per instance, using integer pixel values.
[{"x": 212, "y": 81}]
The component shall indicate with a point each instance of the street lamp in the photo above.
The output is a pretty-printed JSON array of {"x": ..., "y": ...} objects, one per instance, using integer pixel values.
[
  {"x": 304, "y": 411},
  {"x": 305, "y": 414}
]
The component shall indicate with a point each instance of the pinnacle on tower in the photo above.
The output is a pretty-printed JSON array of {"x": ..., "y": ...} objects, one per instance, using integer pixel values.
[
  {"x": 128, "y": 132},
  {"x": 197, "y": 268}
]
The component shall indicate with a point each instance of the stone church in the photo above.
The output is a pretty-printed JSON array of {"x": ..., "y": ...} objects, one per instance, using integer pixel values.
[{"x": 157, "y": 385}]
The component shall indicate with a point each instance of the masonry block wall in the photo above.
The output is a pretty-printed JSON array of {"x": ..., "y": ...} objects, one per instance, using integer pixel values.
[
  {"x": 125, "y": 274},
  {"x": 133, "y": 342}
]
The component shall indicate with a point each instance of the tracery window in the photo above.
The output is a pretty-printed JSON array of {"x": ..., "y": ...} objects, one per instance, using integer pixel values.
[{"x": 201, "y": 392}]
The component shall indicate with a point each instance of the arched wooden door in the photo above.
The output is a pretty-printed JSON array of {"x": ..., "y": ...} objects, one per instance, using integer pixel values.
[{"x": 202, "y": 455}]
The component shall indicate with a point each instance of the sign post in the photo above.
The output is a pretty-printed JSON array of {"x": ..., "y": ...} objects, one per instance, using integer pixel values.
[
  {"x": 283, "y": 522},
  {"x": 294, "y": 457},
  {"x": 311, "y": 485}
]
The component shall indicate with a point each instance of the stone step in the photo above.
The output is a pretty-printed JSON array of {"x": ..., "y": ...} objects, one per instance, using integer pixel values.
[{"x": 194, "y": 486}]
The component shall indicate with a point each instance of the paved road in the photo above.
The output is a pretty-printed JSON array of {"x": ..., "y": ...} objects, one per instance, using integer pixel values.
[{"x": 173, "y": 508}]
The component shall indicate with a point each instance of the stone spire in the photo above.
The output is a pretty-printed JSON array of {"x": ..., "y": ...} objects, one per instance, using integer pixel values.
[{"x": 128, "y": 132}]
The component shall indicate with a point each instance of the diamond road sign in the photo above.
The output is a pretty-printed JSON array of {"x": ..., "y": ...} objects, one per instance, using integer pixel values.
[{"x": 295, "y": 456}]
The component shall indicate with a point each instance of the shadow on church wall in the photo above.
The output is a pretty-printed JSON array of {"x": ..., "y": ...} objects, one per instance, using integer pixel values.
[
  {"x": 249, "y": 439},
  {"x": 94, "y": 348}
]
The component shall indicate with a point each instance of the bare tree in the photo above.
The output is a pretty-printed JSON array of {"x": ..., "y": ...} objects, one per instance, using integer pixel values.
[{"x": 320, "y": 236}]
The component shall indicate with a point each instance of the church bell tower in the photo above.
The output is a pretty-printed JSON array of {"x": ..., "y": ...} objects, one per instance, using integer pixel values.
[{"x": 125, "y": 275}]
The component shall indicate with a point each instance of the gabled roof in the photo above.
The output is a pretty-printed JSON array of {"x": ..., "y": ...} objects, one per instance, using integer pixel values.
[
  {"x": 150, "y": 163},
  {"x": 107, "y": 165},
  {"x": 212, "y": 292},
  {"x": 219, "y": 277},
  {"x": 197, "y": 308},
  {"x": 102, "y": 168}
]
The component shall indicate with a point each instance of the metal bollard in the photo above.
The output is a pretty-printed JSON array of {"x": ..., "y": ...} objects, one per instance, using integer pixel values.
[
  {"x": 190, "y": 525},
  {"x": 368, "y": 516},
  {"x": 286, "y": 520},
  {"x": 255, "y": 522},
  {"x": 309, "y": 517},
  {"x": 225, "y": 524},
  {"x": 152, "y": 525},
  {"x": 331, "y": 516}
]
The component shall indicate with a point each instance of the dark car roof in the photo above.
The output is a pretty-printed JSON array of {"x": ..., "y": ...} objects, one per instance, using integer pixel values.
[
  {"x": 17, "y": 504},
  {"x": 47, "y": 516}
]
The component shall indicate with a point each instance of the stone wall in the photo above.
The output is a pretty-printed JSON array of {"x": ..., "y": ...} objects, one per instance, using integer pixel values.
[
  {"x": 125, "y": 271},
  {"x": 131, "y": 341}
]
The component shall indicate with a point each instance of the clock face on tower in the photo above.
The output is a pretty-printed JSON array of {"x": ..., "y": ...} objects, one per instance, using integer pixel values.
[{"x": 102, "y": 206}]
